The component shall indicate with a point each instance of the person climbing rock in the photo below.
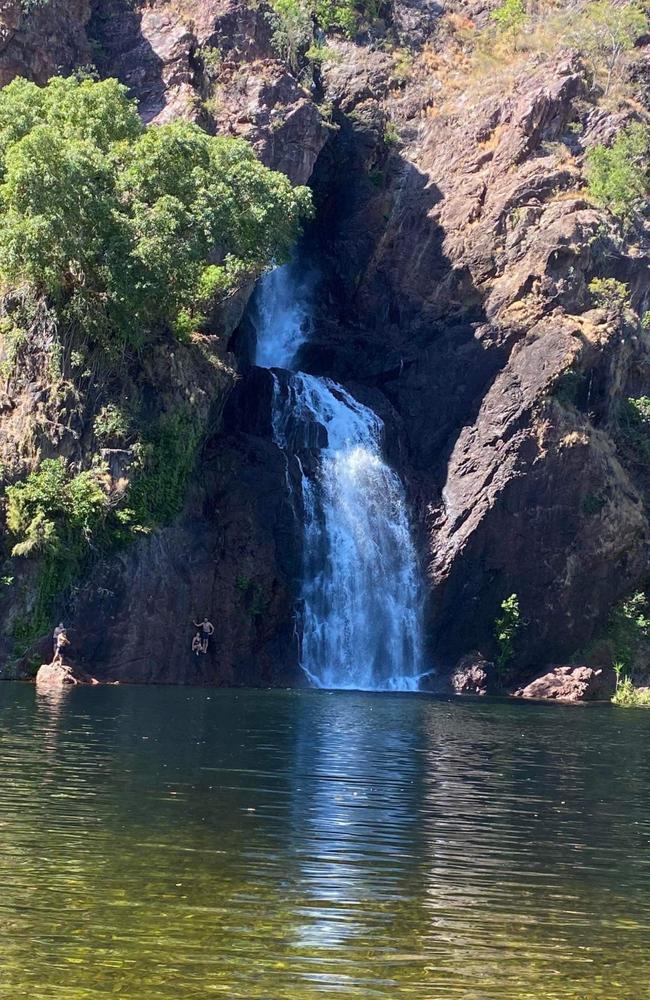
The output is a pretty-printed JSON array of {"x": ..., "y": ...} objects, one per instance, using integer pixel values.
[
  {"x": 197, "y": 644},
  {"x": 207, "y": 629}
]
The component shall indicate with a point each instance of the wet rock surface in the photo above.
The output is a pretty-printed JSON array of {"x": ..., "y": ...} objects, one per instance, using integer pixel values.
[{"x": 572, "y": 684}]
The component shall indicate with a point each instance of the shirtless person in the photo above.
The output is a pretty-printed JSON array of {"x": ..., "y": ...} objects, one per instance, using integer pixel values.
[
  {"x": 207, "y": 629},
  {"x": 59, "y": 630},
  {"x": 60, "y": 643}
]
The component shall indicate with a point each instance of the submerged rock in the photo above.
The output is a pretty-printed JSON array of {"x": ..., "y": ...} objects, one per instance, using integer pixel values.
[{"x": 572, "y": 684}]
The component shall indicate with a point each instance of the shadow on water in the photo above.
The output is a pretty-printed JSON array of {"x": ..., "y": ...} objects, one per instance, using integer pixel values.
[{"x": 164, "y": 843}]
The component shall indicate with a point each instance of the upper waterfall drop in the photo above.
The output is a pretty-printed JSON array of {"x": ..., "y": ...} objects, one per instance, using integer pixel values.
[
  {"x": 281, "y": 317},
  {"x": 361, "y": 589}
]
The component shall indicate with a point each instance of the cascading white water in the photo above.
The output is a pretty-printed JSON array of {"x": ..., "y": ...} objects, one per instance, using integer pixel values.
[
  {"x": 281, "y": 318},
  {"x": 361, "y": 589}
]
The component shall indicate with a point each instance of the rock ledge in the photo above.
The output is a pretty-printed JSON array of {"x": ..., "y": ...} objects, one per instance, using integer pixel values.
[{"x": 571, "y": 684}]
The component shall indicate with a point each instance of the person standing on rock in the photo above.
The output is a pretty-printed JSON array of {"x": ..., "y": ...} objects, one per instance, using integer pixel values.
[
  {"x": 59, "y": 630},
  {"x": 60, "y": 643},
  {"x": 207, "y": 629}
]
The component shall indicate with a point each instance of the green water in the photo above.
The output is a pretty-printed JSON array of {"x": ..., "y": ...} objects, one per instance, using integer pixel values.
[{"x": 164, "y": 844}]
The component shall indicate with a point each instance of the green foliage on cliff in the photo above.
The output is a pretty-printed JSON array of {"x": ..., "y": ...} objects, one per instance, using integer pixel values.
[
  {"x": 295, "y": 21},
  {"x": 67, "y": 521},
  {"x": 166, "y": 458},
  {"x": 292, "y": 24},
  {"x": 31, "y": 5},
  {"x": 506, "y": 627},
  {"x": 608, "y": 293},
  {"x": 345, "y": 16},
  {"x": 510, "y": 15},
  {"x": 111, "y": 425},
  {"x": 52, "y": 512},
  {"x": 634, "y": 428},
  {"x": 122, "y": 227},
  {"x": 618, "y": 177},
  {"x": 60, "y": 518},
  {"x": 602, "y": 31}
]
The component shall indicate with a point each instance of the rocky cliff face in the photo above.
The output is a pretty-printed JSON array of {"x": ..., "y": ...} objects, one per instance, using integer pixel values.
[
  {"x": 456, "y": 244},
  {"x": 464, "y": 269},
  {"x": 39, "y": 41}
]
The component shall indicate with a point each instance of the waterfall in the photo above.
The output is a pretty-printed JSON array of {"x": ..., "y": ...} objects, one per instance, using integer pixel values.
[{"x": 361, "y": 590}]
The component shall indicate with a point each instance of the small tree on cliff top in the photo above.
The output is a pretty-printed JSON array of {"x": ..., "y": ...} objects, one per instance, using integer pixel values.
[{"x": 510, "y": 16}]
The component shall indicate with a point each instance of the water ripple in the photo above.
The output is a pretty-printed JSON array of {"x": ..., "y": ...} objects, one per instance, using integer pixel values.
[{"x": 161, "y": 844}]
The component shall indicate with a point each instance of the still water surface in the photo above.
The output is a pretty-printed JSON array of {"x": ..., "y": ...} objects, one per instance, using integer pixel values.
[{"x": 164, "y": 844}]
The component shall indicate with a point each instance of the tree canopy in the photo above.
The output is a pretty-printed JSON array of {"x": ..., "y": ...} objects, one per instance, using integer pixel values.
[{"x": 124, "y": 227}]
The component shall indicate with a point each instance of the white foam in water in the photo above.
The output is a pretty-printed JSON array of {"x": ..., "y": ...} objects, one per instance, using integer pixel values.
[{"x": 361, "y": 586}]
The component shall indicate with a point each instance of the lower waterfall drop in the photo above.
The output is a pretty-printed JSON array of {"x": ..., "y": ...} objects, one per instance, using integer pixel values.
[{"x": 361, "y": 588}]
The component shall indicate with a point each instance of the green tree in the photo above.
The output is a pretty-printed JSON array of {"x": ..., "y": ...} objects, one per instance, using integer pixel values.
[
  {"x": 341, "y": 15},
  {"x": 122, "y": 227},
  {"x": 617, "y": 177},
  {"x": 506, "y": 627},
  {"x": 291, "y": 22},
  {"x": 608, "y": 293},
  {"x": 51, "y": 511}
]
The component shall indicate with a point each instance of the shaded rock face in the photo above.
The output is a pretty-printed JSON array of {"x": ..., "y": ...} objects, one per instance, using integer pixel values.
[
  {"x": 166, "y": 54},
  {"x": 46, "y": 41},
  {"x": 572, "y": 684},
  {"x": 232, "y": 557}
]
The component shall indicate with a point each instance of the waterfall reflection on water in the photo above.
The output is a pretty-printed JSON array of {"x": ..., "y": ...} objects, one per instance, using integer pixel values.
[
  {"x": 361, "y": 589},
  {"x": 300, "y": 845}
]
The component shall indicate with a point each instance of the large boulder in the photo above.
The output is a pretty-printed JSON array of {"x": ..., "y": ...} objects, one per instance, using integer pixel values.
[
  {"x": 54, "y": 676},
  {"x": 471, "y": 675},
  {"x": 572, "y": 684}
]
